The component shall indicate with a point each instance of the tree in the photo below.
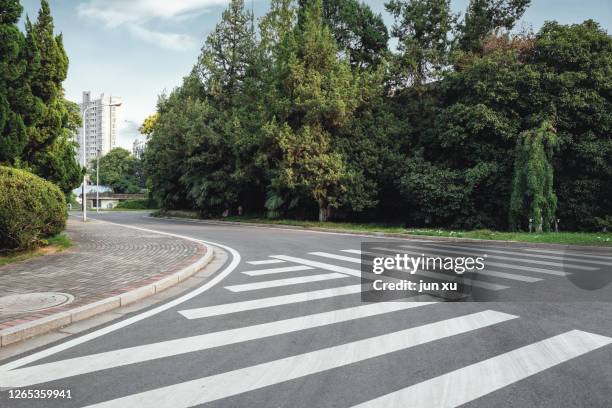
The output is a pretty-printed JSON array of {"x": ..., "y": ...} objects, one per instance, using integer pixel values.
[
  {"x": 323, "y": 98},
  {"x": 148, "y": 125},
  {"x": 574, "y": 64},
  {"x": 13, "y": 137},
  {"x": 533, "y": 197},
  {"x": 360, "y": 33},
  {"x": 486, "y": 17},
  {"x": 227, "y": 53},
  {"x": 423, "y": 29},
  {"x": 119, "y": 170}
]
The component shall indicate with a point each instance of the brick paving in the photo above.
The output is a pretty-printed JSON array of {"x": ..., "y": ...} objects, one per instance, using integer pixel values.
[{"x": 105, "y": 260}]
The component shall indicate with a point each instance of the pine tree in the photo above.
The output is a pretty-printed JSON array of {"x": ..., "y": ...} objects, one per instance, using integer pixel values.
[{"x": 324, "y": 96}]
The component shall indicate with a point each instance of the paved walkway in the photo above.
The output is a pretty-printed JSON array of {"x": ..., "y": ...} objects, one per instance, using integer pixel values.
[{"x": 105, "y": 260}]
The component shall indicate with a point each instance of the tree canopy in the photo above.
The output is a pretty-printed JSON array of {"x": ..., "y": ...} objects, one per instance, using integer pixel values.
[{"x": 468, "y": 124}]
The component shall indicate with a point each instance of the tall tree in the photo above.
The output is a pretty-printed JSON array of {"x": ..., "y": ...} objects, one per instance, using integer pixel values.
[
  {"x": 422, "y": 28},
  {"x": 227, "y": 53},
  {"x": 360, "y": 33},
  {"x": 324, "y": 96},
  {"x": 13, "y": 137},
  {"x": 485, "y": 17}
]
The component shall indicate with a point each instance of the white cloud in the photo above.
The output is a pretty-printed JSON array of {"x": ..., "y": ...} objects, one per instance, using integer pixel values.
[
  {"x": 137, "y": 14},
  {"x": 172, "y": 41}
]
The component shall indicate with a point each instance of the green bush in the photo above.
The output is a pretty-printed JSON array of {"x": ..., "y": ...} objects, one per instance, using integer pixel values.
[
  {"x": 30, "y": 209},
  {"x": 135, "y": 205}
]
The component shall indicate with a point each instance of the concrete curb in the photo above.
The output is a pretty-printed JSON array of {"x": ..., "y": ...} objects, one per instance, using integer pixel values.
[
  {"x": 58, "y": 320},
  {"x": 592, "y": 248}
]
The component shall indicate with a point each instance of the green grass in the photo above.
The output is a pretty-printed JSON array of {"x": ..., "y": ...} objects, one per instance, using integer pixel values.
[
  {"x": 565, "y": 238},
  {"x": 53, "y": 244}
]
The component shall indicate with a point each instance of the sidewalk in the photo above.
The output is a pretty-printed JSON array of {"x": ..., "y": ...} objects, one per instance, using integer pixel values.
[{"x": 105, "y": 261}]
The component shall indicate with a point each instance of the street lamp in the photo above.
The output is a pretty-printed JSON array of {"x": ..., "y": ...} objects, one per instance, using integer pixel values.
[
  {"x": 98, "y": 181},
  {"x": 84, "y": 191}
]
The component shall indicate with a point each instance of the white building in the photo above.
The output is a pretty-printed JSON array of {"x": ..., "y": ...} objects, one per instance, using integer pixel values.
[
  {"x": 99, "y": 126},
  {"x": 138, "y": 148}
]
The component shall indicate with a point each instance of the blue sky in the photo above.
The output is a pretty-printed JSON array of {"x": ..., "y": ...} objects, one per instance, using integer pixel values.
[{"x": 138, "y": 48}]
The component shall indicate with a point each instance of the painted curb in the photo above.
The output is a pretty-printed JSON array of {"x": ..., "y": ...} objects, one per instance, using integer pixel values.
[
  {"x": 593, "y": 248},
  {"x": 58, "y": 320}
]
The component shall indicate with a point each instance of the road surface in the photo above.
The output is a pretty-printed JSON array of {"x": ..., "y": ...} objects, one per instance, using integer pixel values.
[{"x": 282, "y": 324}]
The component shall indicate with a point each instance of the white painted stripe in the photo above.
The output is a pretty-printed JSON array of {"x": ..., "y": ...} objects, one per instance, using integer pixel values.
[
  {"x": 339, "y": 257},
  {"x": 138, "y": 317},
  {"x": 266, "y": 262},
  {"x": 498, "y": 264},
  {"x": 235, "y": 382},
  {"x": 277, "y": 270},
  {"x": 352, "y": 251},
  {"x": 23, "y": 377},
  {"x": 510, "y": 276},
  {"x": 284, "y": 282},
  {"x": 573, "y": 254},
  {"x": 320, "y": 265},
  {"x": 355, "y": 272},
  {"x": 521, "y": 254},
  {"x": 517, "y": 258},
  {"x": 496, "y": 274},
  {"x": 474, "y": 381},
  {"x": 227, "y": 308}
]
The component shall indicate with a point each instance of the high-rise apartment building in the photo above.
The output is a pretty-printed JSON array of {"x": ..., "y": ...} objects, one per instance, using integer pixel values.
[{"x": 99, "y": 127}]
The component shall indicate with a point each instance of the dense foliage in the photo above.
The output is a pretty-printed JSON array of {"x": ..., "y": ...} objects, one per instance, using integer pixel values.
[
  {"x": 119, "y": 170},
  {"x": 30, "y": 209},
  {"x": 36, "y": 122},
  {"x": 466, "y": 125}
]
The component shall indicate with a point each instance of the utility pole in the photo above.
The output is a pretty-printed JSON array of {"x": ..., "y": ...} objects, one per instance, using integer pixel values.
[{"x": 84, "y": 190}]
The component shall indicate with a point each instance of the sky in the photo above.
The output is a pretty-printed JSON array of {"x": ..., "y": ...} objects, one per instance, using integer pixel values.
[{"x": 137, "y": 49}]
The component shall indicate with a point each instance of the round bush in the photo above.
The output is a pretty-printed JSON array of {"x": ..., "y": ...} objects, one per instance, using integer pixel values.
[{"x": 30, "y": 209}]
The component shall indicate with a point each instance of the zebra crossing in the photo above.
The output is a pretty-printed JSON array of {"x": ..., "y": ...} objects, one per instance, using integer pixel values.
[{"x": 303, "y": 275}]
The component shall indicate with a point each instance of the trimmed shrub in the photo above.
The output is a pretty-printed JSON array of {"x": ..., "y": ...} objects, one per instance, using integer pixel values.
[
  {"x": 30, "y": 209},
  {"x": 135, "y": 205}
]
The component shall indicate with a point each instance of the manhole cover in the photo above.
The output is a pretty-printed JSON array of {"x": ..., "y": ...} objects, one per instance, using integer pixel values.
[{"x": 33, "y": 302}]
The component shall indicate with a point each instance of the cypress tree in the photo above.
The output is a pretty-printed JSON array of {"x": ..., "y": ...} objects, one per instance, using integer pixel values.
[{"x": 13, "y": 136}]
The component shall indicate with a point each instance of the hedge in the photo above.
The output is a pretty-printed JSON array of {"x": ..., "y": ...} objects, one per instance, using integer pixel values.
[
  {"x": 135, "y": 205},
  {"x": 30, "y": 209}
]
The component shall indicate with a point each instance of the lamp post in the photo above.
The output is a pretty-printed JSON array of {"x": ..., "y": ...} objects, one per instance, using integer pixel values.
[
  {"x": 98, "y": 182},
  {"x": 84, "y": 190}
]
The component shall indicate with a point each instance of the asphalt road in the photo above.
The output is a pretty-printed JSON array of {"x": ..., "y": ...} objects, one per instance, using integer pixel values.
[{"x": 283, "y": 325}]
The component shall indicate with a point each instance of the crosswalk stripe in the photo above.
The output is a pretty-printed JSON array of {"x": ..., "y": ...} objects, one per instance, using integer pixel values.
[
  {"x": 371, "y": 276},
  {"x": 510, "y": 258},
  {"x": 523, "y": 254},
  {"x": 103, "y": 361},
  {"x": 468, "y": 383},
  {"x": 269, "y": 271},
  {"x": 266, "y": 262},
  {"x": 284, "y": 282},
  {"x": 352, "y": 251},
  {"x": 495, "y": 274},
  {"x": 227, "y": 308},
  {"x": 246, "y": 379},
  {"x": 334, "y": 256},
  {"x": 573, "y": 254},
  {"x": 489, "y": 263},
  {"x": 498, "y": 264}
]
